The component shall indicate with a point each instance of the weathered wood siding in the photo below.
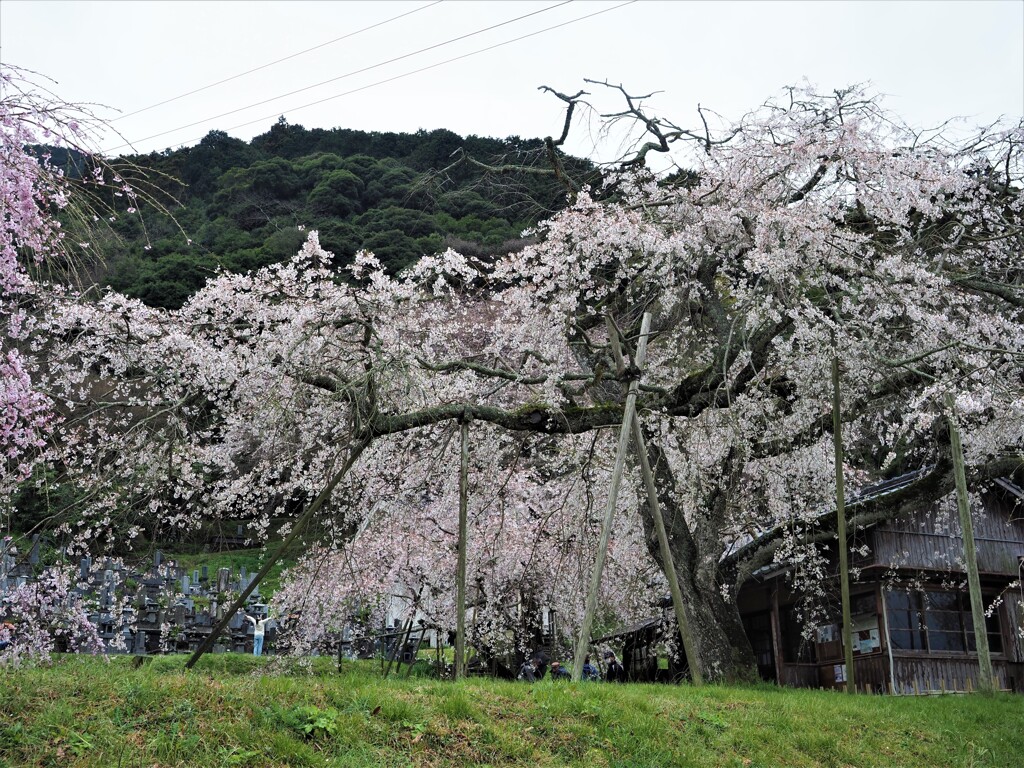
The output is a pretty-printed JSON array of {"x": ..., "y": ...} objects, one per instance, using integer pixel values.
[
  {"x": 871, "y": 671},
  {"x": 1014, "y": 641},
  {"x": 931, "y": 674},
  {"x": 931, "y": 539},
  {"x": 799, "y": 675}
]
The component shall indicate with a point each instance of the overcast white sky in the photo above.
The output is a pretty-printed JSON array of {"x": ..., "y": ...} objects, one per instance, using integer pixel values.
[{"x": 934, "y": 60}]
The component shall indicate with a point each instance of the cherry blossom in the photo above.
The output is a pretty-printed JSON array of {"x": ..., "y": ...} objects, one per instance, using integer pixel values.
[{"x": 815, "y": 226}]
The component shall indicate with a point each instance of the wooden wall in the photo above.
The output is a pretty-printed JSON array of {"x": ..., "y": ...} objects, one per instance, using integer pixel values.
[
  {"x": 931, "y": 539},
  {"x": 1013, "y": 644},
  {"x": 912, "y": 675},
  {"x": 932, "y": 674}
]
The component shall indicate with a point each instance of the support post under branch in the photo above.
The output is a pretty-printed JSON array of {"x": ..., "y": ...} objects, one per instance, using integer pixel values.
[{"x": 613, "y": 493}]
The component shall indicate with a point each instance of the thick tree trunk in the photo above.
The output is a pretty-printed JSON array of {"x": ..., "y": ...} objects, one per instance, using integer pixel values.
[{"x": 714, "y": 617}]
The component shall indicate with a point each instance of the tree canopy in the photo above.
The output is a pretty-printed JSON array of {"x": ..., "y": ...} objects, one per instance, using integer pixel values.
[{"x": 816, "y": 226}]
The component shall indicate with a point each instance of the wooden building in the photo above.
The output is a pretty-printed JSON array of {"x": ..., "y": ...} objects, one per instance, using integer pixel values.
[
  {"x": 646, "y": 650},
  {"x": 911, "y": 615}
]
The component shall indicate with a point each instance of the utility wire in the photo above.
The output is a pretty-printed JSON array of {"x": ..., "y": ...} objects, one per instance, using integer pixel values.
[
  {"x": 278, "y": 61},
  {"x": 416, "y": 71},
  {"x": 432, "y": 66},
  {"x": 350, "y": 74}
]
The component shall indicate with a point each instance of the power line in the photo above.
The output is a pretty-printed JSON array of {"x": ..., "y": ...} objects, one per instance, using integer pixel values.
[
  {"x": 432, "y": 66},
  {"x": 348, "y": 74},
  {"x": 278, "y": 61},
  {"x": 424, "y": 69}
]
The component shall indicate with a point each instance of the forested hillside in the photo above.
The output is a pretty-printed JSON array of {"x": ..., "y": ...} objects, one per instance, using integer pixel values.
[{"x": 239, "y": 206}]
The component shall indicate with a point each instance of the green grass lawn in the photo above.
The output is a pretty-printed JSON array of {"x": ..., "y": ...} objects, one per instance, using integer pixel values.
[
  {"x": 251, "y": 559},
  {"x": 234, "y": 710}
]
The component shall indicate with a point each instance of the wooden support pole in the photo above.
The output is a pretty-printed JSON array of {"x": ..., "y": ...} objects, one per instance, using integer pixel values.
[
  {"x": 690, "y": 647},
  {"x": 970, "y": 553},
  {"x": 844, "y": 564},
  {"x": 400, "y": 640},
  {"x": 300, "y": 524},
  {"x": 613, "y": 493},
  {"x": 460, "y": 578},
  {"x": 416, "y": 652}
]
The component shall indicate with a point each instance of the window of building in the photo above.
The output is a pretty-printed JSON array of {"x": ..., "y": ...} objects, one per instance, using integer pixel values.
[{"x": 936, "y": 620}]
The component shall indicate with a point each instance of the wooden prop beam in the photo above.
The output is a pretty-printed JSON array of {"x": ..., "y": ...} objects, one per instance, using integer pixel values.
[
  {"x": 986, "y": 681},
  {"x": 460, "y": 605},
  {"x": 300, "y": 524},
  {"x": 690, "y": 646},
  {"x": 613, "y": 493},
  {"x": 844, "y": 558}
]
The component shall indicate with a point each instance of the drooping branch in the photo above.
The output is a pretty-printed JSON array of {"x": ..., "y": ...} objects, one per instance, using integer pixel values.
[
  {"x": 1011, "y": 294},
  {"x": 455, "y": 366},
  {"x": 529, "y": 418}
]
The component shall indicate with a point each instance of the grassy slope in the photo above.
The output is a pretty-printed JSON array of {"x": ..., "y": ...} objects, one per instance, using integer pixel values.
[{"x": 83, "y": 712}]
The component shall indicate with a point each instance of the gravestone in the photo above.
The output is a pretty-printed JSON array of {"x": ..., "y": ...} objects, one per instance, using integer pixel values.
[
  {"x": 223, "y": 579},
  {"x": 33, "y": 555}
]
